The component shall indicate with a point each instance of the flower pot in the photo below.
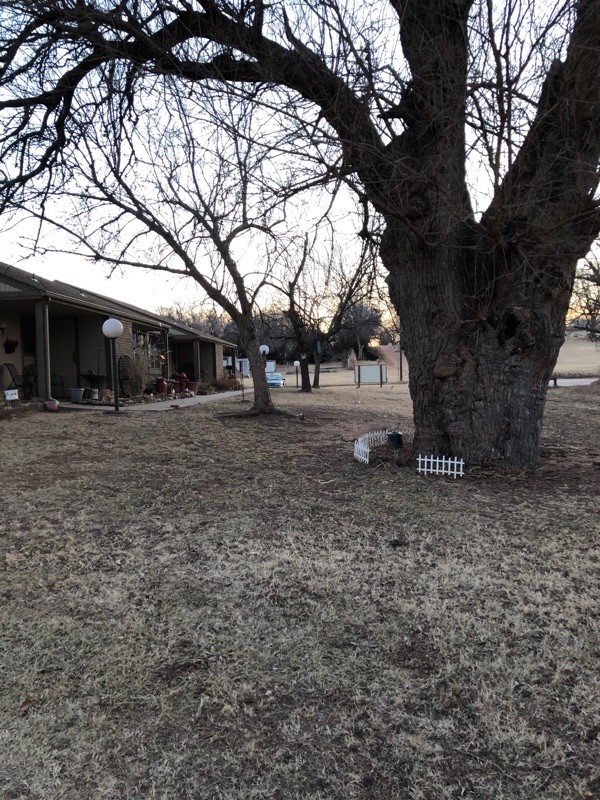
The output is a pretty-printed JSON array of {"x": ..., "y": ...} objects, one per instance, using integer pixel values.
[
  {"x": 76, "y": 395},
  {"x": 395, "y": 440},
  {"x": 193, "y": 386},
  {"x": 9, "y": 348},
  {"x": 51, "y": 405}
]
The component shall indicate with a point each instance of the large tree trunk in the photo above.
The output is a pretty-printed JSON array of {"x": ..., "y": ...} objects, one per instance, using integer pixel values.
[
  {"x": 262, "y": 396},
  {"x": 480, "y": 357},
  {"x": 483, "y": 303}
]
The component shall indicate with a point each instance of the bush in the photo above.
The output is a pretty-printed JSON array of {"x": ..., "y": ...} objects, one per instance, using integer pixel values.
[{"x": 226, "y": 384}]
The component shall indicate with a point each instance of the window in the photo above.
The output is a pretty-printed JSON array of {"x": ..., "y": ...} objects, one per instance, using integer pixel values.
[
  {"x": 155, "y": 350},
  {"x": 149, "y": 345}
]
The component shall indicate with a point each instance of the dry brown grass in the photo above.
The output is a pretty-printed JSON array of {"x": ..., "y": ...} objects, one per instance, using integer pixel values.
[
  {"x": 200, "y": 606},
  {"x": 578, "y": 356}
]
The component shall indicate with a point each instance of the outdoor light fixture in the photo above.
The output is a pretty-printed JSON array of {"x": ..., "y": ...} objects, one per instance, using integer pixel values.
[
  {"x": 296, "y": 364},
  {"x": 264, "y": 350},
  {"x": 112, "y": 329}
]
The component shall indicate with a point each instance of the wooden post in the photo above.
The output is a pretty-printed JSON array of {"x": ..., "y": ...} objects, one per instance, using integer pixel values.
[{"x": 42, "y": 348}]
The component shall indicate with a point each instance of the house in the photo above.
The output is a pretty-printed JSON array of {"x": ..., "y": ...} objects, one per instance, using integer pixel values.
[
  {"x": 199, "y": 355},
  {"x": 51, "y": 339}
]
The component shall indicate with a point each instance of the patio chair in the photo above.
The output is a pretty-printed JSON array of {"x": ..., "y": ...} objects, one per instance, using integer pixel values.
[
  {"x": 29, "y": 384},
  {"x": 57, "y": 384},
  {"x": 24, "y": 382}
]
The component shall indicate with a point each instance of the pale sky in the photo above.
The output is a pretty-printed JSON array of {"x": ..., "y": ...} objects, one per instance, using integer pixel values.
[{"x": 143, "y": 288}]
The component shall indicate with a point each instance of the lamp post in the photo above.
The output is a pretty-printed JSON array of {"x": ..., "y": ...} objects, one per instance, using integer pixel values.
[
  {"x": 400, "y": 354},
  {"x": 296, "y": 364},
  {"x": 264, "y": 351},
  {"x": 112, "y": 329}
]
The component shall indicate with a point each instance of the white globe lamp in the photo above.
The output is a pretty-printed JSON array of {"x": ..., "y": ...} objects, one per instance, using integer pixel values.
[{"x": 112, "y": 329}]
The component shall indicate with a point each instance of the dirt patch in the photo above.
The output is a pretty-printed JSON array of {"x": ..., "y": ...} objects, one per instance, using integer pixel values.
[{"x": 200, "y": 606}]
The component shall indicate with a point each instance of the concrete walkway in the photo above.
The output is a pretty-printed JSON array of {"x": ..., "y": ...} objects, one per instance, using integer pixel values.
[{"x": 159, "y": 405}]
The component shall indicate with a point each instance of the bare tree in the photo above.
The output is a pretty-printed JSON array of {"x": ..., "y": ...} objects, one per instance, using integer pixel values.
[
  {"x": 397, "y": 98},
  {"x": 208, "y": 320},
  {"x": 360, "y": 324},
  {"x": 585, "y": 300},
  {"x": 177, "y": 200},
  {"x": 319, "y": 291}
]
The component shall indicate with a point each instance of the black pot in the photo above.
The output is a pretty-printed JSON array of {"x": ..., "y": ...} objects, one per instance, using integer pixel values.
[{"x": 395, "y": 440}]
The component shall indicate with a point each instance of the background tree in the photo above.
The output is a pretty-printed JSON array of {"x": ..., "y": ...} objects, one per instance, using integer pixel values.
[
  {"x": 319, "y": 292},
  {"x": 159, "y": 199},
  {"x": 211, "y": 321},
  {"x": 276, "y": 332},
  {"x": 585, "y": 300},
  {"x": 359, "y": 326},
  {"x": 397, "y": 99}
]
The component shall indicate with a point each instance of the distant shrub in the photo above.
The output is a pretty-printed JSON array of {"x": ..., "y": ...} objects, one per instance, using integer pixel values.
[{"x": 226, "y": 384}]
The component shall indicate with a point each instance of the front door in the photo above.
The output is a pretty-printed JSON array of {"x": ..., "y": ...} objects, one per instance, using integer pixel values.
[{"x": 64, "y": 350}]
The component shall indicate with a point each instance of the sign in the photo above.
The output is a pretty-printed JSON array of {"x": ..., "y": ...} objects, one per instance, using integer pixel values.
[
  {"x": 243, "y": 365},
  {"x": 11, "y": 394},
  {"x": 370, "y": 373}
]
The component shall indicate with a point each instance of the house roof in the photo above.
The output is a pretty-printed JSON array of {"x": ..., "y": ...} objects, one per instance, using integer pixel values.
[
  {"x": 39, "y": 287},
  {"x": 74, "y": 295},
  {"x": 180, "y": 331}
]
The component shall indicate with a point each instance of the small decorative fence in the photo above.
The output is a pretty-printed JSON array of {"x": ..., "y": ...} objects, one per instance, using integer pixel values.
[
  {"x": 426, "y": 465},
  {"x": 440, "y": 465},
  {"x": 363, "y": 445}
]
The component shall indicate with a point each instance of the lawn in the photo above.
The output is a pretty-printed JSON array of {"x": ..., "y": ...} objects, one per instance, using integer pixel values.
[
  {"x": 199, "y": 606},
  {"x": 578, "y": 356}
]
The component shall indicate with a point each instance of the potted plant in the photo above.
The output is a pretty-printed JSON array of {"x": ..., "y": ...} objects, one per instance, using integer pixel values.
[{"x": 10, "y": 345}]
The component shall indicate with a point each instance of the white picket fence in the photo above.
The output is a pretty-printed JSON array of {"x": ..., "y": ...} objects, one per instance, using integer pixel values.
[
  {"x": 426, "y": 465},
  {"x": 363, "y": 445},
  {"x": 440, "y": 465}
]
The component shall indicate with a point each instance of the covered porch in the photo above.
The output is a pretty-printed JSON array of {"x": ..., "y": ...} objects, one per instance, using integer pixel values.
[{"x": 51, "y": 338}]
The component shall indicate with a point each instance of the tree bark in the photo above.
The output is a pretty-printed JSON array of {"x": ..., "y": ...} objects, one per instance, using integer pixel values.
[
  {"x": 483, "y": 304},
  {"x": 304, "y": 374},
  {"x": 480, "y": 358},
  {"x": 300, "y": 332},
  {"x": 262, "y": 395},
  {"x": 317, "y": 373}
]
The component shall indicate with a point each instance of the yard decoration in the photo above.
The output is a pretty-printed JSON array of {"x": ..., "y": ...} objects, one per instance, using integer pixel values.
[
  {"x": 362, "y": 445},
  {"x": 161, "y": 386},
  {"x": 395, "y": 440},
  {"x": 440, "y": 465}
]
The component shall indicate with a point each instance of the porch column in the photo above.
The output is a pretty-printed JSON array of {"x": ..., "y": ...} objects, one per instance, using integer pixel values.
[
  {"x": 196, "y": 354},
  {"x": 166, "y": 347},
  {"x": 42, "y": 348}
]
